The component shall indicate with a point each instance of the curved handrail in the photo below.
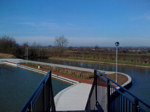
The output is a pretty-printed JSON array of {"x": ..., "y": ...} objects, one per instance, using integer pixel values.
[{"x": 123, "y": 89}]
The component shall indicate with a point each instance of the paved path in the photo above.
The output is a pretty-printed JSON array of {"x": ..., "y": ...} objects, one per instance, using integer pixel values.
[
  {"x": 51, "y": 64},
  {"x": 73, "y": 98},
  {"x": 63, "y": 66}
]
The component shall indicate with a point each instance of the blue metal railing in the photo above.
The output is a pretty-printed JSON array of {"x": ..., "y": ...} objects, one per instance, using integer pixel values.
[
  {"x": 105, "y": 96},
  {"x": 112, "y": 97},
  {"x": 42, "y": 99}
]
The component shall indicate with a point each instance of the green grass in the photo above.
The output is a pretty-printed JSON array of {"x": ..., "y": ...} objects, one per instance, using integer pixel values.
[{"x": 103, "y": 61}]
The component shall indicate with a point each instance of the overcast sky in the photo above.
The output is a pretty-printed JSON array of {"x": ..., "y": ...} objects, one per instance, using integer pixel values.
[{"x": 82, "y": 22}]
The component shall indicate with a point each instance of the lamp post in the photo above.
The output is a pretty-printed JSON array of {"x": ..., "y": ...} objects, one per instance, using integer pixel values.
[
  {"x": 27, "y": 52},
  {"x": 117, "y": 44}
]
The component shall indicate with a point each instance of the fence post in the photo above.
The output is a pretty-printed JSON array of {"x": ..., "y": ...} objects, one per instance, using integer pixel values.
[
  {"x": 29, "y": 109},
  {"x": 108, "y": 96},
  {"x": 136, "y": 103},
  {"x": 95, "y": 83},
  {"x": 44, "y": 96},
  {"x": 51, "y": 95}
]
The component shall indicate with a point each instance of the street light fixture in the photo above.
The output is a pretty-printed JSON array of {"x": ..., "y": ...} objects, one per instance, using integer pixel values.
[{"x": 117, "y": 44}]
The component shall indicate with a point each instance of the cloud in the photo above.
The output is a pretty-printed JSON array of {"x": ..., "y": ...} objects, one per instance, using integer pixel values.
[
  {"x": 40, "y": 24},
  {"x": 42, "y": 40},
  {"x": 109, "y": 41},
  {"x": 28, "y": 23},
  {"x": 88, "y": 41},
  {"x": 142, "y": 17},
  {"x": 147, "y": 17},
  {"x": 52, "y": 26}
]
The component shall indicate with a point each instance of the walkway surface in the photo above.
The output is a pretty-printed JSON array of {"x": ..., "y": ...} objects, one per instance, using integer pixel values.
[
  {"x": 50, "y": 64},
  {"x": 73, "y": 98}
]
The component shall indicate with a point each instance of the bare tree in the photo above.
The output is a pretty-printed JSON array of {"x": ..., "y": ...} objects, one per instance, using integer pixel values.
[{"x": 60, "y": 43}]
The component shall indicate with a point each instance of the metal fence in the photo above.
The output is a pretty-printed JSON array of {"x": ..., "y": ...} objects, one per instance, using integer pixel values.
[
  {"x": 42, "y": 99},
  {"x": 108, "y": 96},
  {"x": 105, "y": 96}
]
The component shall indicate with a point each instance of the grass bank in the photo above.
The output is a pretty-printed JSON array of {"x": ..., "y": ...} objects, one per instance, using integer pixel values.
[
  {"x": 101, "y": 61},
  {"x": 5, "y": 55},
  {"x": 81, "y": 76}
]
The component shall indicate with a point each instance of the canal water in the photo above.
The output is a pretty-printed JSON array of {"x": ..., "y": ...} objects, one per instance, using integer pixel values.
[
  {"x": 140, "y": 76},
  {"x": 17, "y": 86}
]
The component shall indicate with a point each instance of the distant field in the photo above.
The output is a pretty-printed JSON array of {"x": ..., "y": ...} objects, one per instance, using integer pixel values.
[
  {"x": 4, "y": 55},
  {"x": 101, "y": 61}
]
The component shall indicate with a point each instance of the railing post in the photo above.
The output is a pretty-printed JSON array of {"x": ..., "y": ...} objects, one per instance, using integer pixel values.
[
  {"x": 51, "y": 95},
  {"x": 29, "y": 109},
  {"x": 95, "y": 83},
  {"x": 136, "y": 103},
  {"x": 108, "y": 96},
  {"x": 44, "y": 96}
]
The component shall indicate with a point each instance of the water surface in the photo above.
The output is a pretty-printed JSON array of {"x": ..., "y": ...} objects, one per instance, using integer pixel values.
[{"x": 17, "y": 86}]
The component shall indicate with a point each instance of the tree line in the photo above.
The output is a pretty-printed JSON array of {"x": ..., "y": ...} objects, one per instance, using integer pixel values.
[{"x": 34, "y": 51}]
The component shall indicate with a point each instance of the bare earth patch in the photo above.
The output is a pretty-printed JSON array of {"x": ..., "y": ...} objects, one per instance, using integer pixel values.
[
  {"x": 121, "y": 78},
  {"x": 4, "y": 55}
]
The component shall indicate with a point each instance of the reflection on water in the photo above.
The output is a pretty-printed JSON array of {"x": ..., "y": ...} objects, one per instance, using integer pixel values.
[
  {"x": 140, "y": 76},
  {"x": 17, "y": 86}
]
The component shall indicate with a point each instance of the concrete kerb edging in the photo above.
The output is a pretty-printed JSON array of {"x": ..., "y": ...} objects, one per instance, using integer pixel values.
[
  {"x": 64, "y": 79},
  {"x": 53, "y": 75},
  {"x": 12, "y": 63},
  {"x": 127, "y": 83},
  {"x": 31, "y": 69}
]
